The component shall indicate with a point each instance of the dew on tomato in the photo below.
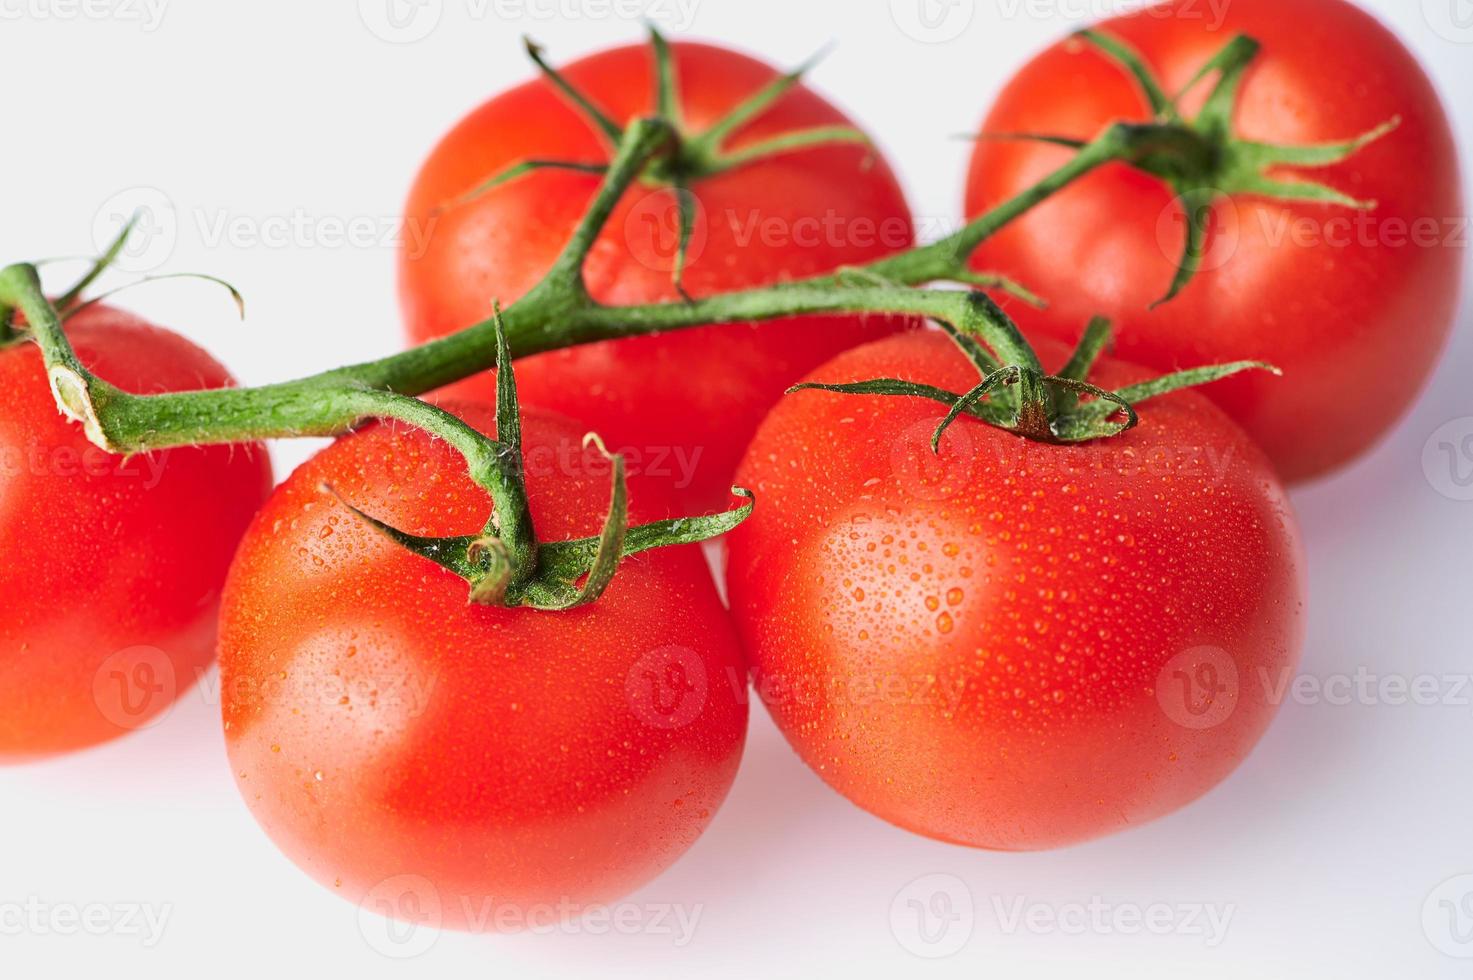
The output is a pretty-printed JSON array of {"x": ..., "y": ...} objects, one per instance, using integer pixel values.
[
  {"x": 1331, "y": 295},
  {"x": 683, "y": 405},
  {"x": 381, "y": 726},
  {"x": 987, "y": 665},
  {"x": 119, "y": 561}
]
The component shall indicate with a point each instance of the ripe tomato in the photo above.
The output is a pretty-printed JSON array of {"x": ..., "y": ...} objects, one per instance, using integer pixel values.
[
  {"x": 1337, "y": 298},
  {"x": 683, "y": 405},
  {"x": 401, "y": 744},
  {"x": 1013, "y": 645},
  {"x": 113, "y": 565}
]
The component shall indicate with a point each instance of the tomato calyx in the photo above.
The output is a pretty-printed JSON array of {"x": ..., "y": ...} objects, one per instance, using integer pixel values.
[
  {"x": 687, "y": 157},
  {"x": 505, "y": 564},
  {"x": 1057, "y": 409},
  {"x": 1203, "y": 159}
]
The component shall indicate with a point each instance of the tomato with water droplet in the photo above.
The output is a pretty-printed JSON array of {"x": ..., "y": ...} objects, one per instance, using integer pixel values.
[
  {"x": 681, "y": 406},
  {"x": 112, "y": 566},
  {"x": 1113, "y": 617},
  {"x": 401, "y": 743}
]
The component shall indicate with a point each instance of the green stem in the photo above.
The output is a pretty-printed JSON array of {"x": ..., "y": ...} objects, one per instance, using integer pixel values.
[
  {"x": 559, "y": 313},
  {"x": 490, "y": 463},
  {"x": 940, "y": 260},
  {"x": 564, "y": 283},
  {"x": 971, "y": 313}
]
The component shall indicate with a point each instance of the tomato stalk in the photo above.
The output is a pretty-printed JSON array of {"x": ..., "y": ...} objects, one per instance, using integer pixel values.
[
  {"x": 1209, "y": 160},
  {"x": 506, "y": 564}
]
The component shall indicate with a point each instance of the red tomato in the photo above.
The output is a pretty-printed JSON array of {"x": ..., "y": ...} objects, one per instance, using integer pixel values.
[
  {"x": 113, "y": 566},
  {"x": 1014, "y": 645},
  {"x": 683, "y": 405},
  {"x": 403, "y": 745},
  {"x": 1339, "y": 299}
]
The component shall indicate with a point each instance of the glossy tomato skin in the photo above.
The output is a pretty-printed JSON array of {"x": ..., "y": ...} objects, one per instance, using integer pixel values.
[
  {"x": 681, "y": 405},
  {"x": 114, "y": 565},
  {"x": 989, "y": 648},
  {"x": 1333, "y": 296},
  {"x": 400, "y": 744}
]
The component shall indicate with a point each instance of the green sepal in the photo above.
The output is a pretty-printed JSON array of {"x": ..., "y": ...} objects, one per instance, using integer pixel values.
[
  {"x": 607, "y": 552},
  {"x": 1162, "y": 107},
  {"x": 974, "y": 397},
  {"x": 1088, "y": 426},
  {"x": 1258, "y": 156},
  {"x": 1231, "y": 62},
  {"x": 685, "y": 204},
  {"x": 508, "y": 411},
  {"x": 988, "y": 412},
  {"x": 667, "y": 84},
  {"x": 1197, "y": 206},
  {"x": 235, "y": 296},
  {"x": 979, "y": 356},
  {"x": 562, "y": 563},
  {"x": 715, "y": 136},
  {"x": 1097, "y": 335},
  {"x": 520, "y": 170},
  {"x": 1067, "y": 142},
  {"x": 110, "y": 255},
  {"x": 595, "y": 117},
  {"x": 568, "y": 559},
  {"x": 1001, "y": 283},
  {"x": 1194, "y": 377},
  {"x": 475, "y": 558},
  {"x": 782, "y": 144}
]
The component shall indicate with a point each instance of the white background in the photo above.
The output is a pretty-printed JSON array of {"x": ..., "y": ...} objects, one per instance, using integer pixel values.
[{"x": 273, "y": 116}]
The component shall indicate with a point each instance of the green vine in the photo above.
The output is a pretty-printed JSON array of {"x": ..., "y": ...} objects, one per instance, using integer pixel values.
[{"x": 505, "y": 563}]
